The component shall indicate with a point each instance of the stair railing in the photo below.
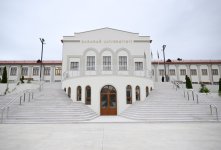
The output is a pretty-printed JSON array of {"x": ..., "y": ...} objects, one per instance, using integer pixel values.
[
  {"x": 212, "y": 106},
  {"x": 21, "y": 96}
]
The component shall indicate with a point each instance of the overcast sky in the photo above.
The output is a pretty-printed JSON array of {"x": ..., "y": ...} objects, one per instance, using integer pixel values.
[{"x": 191, "y": 29}]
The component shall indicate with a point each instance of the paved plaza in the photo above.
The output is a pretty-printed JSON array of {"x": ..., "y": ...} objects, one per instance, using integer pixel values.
[{"x": 109, "y": 136}]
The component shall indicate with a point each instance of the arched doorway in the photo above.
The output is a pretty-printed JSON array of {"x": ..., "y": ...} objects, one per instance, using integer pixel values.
[
  {"x": 108, "y": 100},
  {"x": 69, "y": 92}
]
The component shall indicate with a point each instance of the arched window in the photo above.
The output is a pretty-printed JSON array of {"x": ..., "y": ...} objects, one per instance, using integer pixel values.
[
  {"x": 88, "y": 95},
  {"x": 78, "y": 93},
  {"x": 137, "y": 93},
  {"x": 147, "y": 91},
  {"x": 69, "y": 91},
  {"x": 129, "y": 94}
]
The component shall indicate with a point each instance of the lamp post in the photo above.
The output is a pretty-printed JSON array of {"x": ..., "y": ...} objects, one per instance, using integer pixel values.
[
  {"x": 42, "y": 43},
  {"x": 164, "y": 46}
]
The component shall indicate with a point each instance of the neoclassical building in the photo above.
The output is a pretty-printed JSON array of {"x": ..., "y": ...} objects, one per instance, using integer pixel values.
[{"x": 107, "y": 69}]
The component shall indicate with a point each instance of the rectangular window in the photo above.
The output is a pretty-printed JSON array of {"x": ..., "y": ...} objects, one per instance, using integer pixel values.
[
  {"x": 138, "y": 66},
  {"x": 35, "y": 71},
  {"x": 1, "y": 71},
  {"x": 193, "y": 72},
  {"x": 90, "y": 62},
  {"x": 57, "y": 71},
  {"x": 106, "y": 63},
  {"x": 24, "y": 71},
  {"x": 74, "y": 66},
  {"x": 182, "y": 72},
  {"x": 122, "y": 63},
  {"x": 204, "y": 72},
  {"x": 47, "y": 71},
  {"x": 214, "y": 71},
  {"x": 161, "y": 72},
  {"x": 13, "y": 71},
  {"x": 172, "y": 72}
]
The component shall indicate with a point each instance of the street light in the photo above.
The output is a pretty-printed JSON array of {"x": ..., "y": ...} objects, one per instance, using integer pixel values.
[
  {"x": 164, "y": 46},
  {"x": 42, "y": 43}
]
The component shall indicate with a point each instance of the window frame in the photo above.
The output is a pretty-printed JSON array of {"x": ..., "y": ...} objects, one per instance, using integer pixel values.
[
  {"x": 90, "y": 64},
  {"x": 122, "y": 63}
]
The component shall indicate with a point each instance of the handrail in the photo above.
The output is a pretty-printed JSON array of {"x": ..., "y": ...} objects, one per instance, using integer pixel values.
[
  {"x": 211, "y": 110},
  {"x": 7, "y": 106}
]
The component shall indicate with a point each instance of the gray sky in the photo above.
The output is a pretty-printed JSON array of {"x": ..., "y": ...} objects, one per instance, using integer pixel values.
[{"x": 191, "y": 29}]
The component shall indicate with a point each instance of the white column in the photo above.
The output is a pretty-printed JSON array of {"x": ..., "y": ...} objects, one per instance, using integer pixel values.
[
  {"x": 210, "y": 73},
  {"x": 199, "y": 73}
]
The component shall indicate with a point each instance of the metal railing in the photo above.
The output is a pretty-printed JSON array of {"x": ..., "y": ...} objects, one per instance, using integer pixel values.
[
  {"x": 186, "y": 92},
  {"x": 195, "y": 95},
  {"x": 21, "y": 97},
  {"x": 211, "y": 110}
]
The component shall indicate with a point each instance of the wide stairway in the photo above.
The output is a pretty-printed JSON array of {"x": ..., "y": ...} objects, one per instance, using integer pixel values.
[
  {"x": 166, "y": 104},
  {"x": 51, "y": 105}
]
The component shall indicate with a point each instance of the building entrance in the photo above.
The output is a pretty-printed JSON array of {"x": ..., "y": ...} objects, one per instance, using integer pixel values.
[{"x": 108, "y": 100}]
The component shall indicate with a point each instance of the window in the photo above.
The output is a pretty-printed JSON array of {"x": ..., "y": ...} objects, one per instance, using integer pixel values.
[
  {"x": 122, "y": 63},
  {"x": 90, "y": 62},
  {"x": 138, "y": 66},
  {"x": 78, "y": 93},
  {"x": 214, "y": 71},
  {"x": 35, "y": 71},
  {"x": 193, "y": 72},
  {"x": 161, "y": 72},
  {"x": 1, "y": 70},
  {"x": 137, "y": 93},
  {"x": 69, "y": 92},
  {"x": 57, "y": 71},
  {"x": 152, "y": 72},
  {"x": 74, "y": 66},
  {"x": 13, "y": 71},
  {"x": 24, "y": 71},
  {"x": 88, "y": 95},
  {"x": 182, "y": 72},
  {"x": 147, "y": 91},
  {"x": 172, "y": 72},
  {"x": 106, "y": 63},
  {"x": 47, "y": 71},
  {"x": 129, "y": 94},
  {"x": 204, "y": 72}
]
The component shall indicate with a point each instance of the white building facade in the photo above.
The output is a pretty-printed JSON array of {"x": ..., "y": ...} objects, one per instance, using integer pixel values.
[
  {"x": 51, "y": 70},
  {"x": 205, "y": 71},
  {"x": 107, "y": 69}
]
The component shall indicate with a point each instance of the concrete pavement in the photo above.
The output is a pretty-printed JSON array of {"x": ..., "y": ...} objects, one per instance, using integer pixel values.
[{"x": 109, "y": 136}]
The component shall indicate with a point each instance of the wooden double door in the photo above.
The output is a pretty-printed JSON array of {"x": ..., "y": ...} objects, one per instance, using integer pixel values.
[{"x": 108, "y": 100}]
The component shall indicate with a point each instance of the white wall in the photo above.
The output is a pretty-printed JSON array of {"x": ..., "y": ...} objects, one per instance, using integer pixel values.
[{"x": 97, "y": 82}]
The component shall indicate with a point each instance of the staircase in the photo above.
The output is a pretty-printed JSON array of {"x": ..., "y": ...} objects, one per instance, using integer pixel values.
[
  {"x": 165, "y": 104},
  {"x": 51, "y": 105}
]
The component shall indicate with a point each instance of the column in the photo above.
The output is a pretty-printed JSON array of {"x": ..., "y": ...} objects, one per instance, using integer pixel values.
[
  {"x": 30, "y": 70},
  {"x": 114, "y": 64},
  {"x": 210, "y": 73},
  {"x": 98, "y": 64},
  {"x": 199, "y": 73},
  {"x": 156, "y": 72},
  {"x": 177, "y": 72},
  {"x": 130, "y": 65},
  {"x": 52, "y": 73},
  {"x": 220, "y": 71},
  {"x": 82, "y": 66}
]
